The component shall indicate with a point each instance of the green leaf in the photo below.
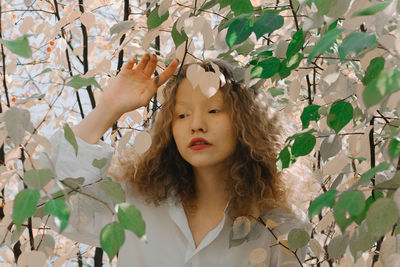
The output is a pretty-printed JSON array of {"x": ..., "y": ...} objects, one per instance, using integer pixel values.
[
  {"x": 368, "y": 175},
  {"x": 296, "y": 44},
  {"x": 239, "y": 30},
  {"x": 37, "y": 179},
  {"x": 356, "y": 42},
  {"x": 178, "y": 37},
  {"x": 388, "y": 81},
  {"x": 59, "y": 210},
  {"x": 310, "y": 113},
  {"x": 303, "y": 144},
  {"x": 360, "y": 217},
  {"x": 327, "y": 199},
  {"x": 349, "y": 204},
  {"x": 241, "y": 7},
  {"x": 25, "y": 205},
  {"x": 381, "y": 216},
  {"x": 267, "y": 23},
  {"x": 78, "y": 82},
  {"x": 394, "y": 148},
  {"x": 294, "y": 61},
  {"x": 99, "y": 163},
  {"x": 153, "y": 20},
  {"x": 339, "y": 115},
  {"x": 373, "y": 9},
  {"x": 237, "y": 6},
  {"x": 284, "y": 159},
  {"x": 18, "y": 46},
  {"x": 375, "y": 67},
  {"x": 131, "y": 219},
  {"x": 297, "y": 238},
  {"x": 283, "y": 70},
  {"x": 112, "y": 237},
  {"x": 287, "y": 66},
  {"x": 333, "y": 25},
  {"x": 276, "y": 91},
  {"x": 325, "y": 43},
  {"x": 261, "y": 53},
  {"x": 246, "y": 47},
  {"x": 323, "y": 6},
  {"x": 70, "y": 136},
  {"x": 266, "y": 68},
  {"x": 113, "y": 190}
]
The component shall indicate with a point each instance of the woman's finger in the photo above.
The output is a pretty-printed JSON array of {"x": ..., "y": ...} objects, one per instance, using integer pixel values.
[
  {"x": 167, "y": 73},
  {"x": 143, "y": 62},
  {"x": 129, "y": 64},
  {"x": 151, "y": 66}
]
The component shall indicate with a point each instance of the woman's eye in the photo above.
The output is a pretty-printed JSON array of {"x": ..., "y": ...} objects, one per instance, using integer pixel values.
[
  {"x": 214, "y": 110},
  {"x": 180, "y": 116}
]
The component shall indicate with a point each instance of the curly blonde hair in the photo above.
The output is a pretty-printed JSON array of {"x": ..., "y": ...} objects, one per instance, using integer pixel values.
[{"x": 254, "y": 185}]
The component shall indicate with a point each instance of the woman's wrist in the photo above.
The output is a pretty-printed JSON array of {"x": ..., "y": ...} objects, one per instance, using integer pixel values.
[{"x": 92, "y": 127}]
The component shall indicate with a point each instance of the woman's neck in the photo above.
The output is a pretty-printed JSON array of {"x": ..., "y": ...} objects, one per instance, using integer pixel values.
[{"x": 211, "y": 188}]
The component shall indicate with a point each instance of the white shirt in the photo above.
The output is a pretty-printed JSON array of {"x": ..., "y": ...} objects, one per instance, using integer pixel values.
[{"x": 169, "y": 239}]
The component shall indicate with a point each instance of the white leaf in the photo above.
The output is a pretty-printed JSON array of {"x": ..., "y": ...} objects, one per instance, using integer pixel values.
[
  {"x": 81, "y": 210},
  {"x": 43, "y": 141},
  {"x": 209, "y": 84},
  {"x": 220, "y": 41},
  {"x": 142, "y": 142},
  {"x": 241, "y": 227},
  {"x": 149, "y": 37},
  {"x": 338, "y": 8},
  {"x": 337, "y": 163},
  {"x": 219, "y": 73},
  {"x": 193, "y": 74},
  {"x": 180, "y": 51},
  {"x": 27, "y": 25},
  {"x": 135, "y": 116},
  {"x": 392, "y": 261},
  {"x": 316, "y": 248},
  {"x": 330, "y": 146},
  {"x": 331, "y": 74},
  {"x": 326, "y": 220},
  {"x": 88, "y": 19},
  {"x": 3, "y": 136},
  {"x": 396, "y": 198},
  {"x": 257, "y": 256},
  {"x": 17, "y": 121},
  {"x": 47, "y": 244},
  {"x": 32, "y": 259},
  {"x": 181, "y": 20},
  {"x": 122, "y": 27},
  {"x": 294, "y": 90},
  {"x": 124, "y": 140},
  {"x": 164, "y": 6}
]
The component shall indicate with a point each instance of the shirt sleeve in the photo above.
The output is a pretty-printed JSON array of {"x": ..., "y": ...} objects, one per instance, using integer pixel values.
[
  {"x": 285, "y": 222},
  {"x": 87, "y": 215}
]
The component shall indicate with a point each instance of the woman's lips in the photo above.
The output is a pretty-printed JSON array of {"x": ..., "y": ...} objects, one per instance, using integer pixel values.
[{"x": 198, "y": 147}]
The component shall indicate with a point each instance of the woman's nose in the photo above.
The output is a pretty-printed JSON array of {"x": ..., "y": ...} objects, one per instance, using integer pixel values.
[{"x": 198, "y": 122}]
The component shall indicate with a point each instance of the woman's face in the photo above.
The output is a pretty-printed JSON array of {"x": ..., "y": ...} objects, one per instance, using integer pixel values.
[{"x": 196, "y": 116}]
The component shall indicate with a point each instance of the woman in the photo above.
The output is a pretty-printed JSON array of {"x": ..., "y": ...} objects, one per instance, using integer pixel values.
[{"x": 212, "y": 159}]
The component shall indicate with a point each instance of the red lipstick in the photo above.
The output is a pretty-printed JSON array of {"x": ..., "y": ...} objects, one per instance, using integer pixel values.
[{"x": 199, "y": 143}]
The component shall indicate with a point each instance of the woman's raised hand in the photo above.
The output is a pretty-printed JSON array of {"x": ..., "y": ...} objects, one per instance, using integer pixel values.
[{"x": 134, "y": 85}]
